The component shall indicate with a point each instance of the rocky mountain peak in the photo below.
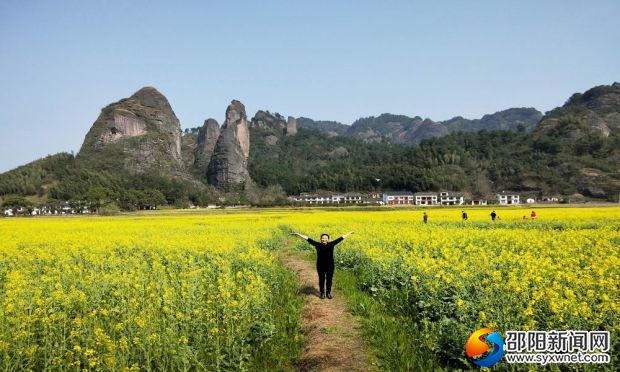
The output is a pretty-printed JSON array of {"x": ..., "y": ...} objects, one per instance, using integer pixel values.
[
  {"x": 228, "y": 165},
  {"x": 237, "y": 120},
  {"x": 595, "y": 111},
  {"x": 266, "y": 120},
  {"x": 235, "y": 113},
  {"x": 151, "y": 97},
  {"x": 138, "y": 133},
  {"x": 205, "y": 143}
]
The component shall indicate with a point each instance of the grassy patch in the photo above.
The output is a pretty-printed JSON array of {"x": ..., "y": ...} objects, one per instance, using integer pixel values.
[
  {"x": 396, "y": 342},
  {"x": 284, "y": 348}
]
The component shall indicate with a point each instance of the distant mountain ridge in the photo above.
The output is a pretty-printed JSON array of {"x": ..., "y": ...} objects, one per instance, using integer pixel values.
[
  {"x": 402, "y": 129},
  {"x": 136, "y": 144},
  {"x": 513, "y": 119}
]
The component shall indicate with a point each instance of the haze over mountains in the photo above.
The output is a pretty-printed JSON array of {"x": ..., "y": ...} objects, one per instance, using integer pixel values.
[{"x": 137, "y": 144}]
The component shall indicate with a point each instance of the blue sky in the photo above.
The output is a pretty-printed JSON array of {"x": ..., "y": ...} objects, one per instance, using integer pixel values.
[{"x": 62, "y": 61}]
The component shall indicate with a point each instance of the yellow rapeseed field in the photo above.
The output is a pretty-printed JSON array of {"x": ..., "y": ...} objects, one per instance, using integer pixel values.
[
  {"x": 560, "y": 271},
  {"x": 123, "y": 292},
  {"x": 198, "y": 290}
]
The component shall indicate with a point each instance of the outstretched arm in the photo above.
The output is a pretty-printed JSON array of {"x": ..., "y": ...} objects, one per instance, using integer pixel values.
[
  {"x": 347, "y": 234},
  {"x": 342, "y": 238},
  {"x": 301, "y": 236}
]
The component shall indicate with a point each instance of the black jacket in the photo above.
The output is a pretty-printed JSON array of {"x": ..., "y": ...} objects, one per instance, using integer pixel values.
[{"x": 325, "y": 253}]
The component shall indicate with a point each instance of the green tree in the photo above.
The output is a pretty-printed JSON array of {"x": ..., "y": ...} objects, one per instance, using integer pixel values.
[
  {"x": 154, "y": 198},
  {"x": 98, "y": 196},
  {"x": 16, "y": 202}
]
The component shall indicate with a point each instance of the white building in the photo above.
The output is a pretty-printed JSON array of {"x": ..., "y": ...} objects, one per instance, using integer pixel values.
[
  {"x": 8, "y": 212},
  {"x": 334, "y": 199},
  {"x": 312, "y": 199},
  {"x": 426, "y": 198},
  {"x": 398, "y": 198},
  {"x": 352, "y": 198},
  {"x": 507, "y": 198},
  {"x": 530, "y": 201},
  {"x": 450, "y": 198}
]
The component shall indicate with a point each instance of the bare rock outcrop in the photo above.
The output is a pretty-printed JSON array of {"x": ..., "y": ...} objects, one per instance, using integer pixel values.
[
  {"x": 207, "y": 139},
  {"x": 266, "y": 121},
  {"x": 229, "y": 164},
  {"x": 136, "y": 134},
  {"x": 291, "y": 126}
]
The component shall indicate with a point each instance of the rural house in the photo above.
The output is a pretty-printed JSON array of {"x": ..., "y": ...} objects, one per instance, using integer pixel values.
[
  {"x": 426, "y": 198},
  {"x": 398, "y": 198},
  {"x": 507, "y": 198}
]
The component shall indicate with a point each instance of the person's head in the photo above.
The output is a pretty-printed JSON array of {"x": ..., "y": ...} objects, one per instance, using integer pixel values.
[{"x": 324, "y": 238}]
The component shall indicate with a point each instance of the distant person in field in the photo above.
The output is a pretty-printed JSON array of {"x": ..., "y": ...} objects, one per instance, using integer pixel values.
[
  {"x": 493, "y": 216},
  {"x": 324, "y": 260},
  {"x": 524, "y": 218},
  {"x": 464, "y": 215},
  {"x": 533, "y": 215},
  {"x": 425, "y": 217}
]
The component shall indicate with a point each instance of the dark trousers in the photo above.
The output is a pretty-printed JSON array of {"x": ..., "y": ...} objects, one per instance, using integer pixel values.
[{"x": 325, "y": 278}]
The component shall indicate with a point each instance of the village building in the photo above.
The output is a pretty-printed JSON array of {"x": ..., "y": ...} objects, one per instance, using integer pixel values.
[
  {"x": 336, "y": 199},
  {"x": 352, "y": 198},
  {"x": 426, "y": 198},
  {"x": 478, "y": 202},
  {"x": 373, "y": 198},
  {"x": 450, "y": 198},
  {"x": 398, "y": 198},
  {"x": 507, "y": 198}
]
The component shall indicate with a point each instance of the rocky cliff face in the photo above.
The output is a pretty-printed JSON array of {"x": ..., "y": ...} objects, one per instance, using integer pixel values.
[
  {"x": 206, "y": 141},
  {"x": 228, "y": 165},
  {"x": 189, "y": 143},
  {"x": 137, "y": 134},
  {"x": 291, "y": 126},
  {"x": 267, "y": 121},
  {"x": 267, "y": 128}
]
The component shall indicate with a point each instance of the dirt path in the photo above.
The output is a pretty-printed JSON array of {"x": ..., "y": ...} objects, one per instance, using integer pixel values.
[{"x": 333, "y": 341}]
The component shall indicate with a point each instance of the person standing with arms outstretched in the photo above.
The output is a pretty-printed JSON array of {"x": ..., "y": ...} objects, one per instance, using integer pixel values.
[{"x": 324, "y": 260}]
